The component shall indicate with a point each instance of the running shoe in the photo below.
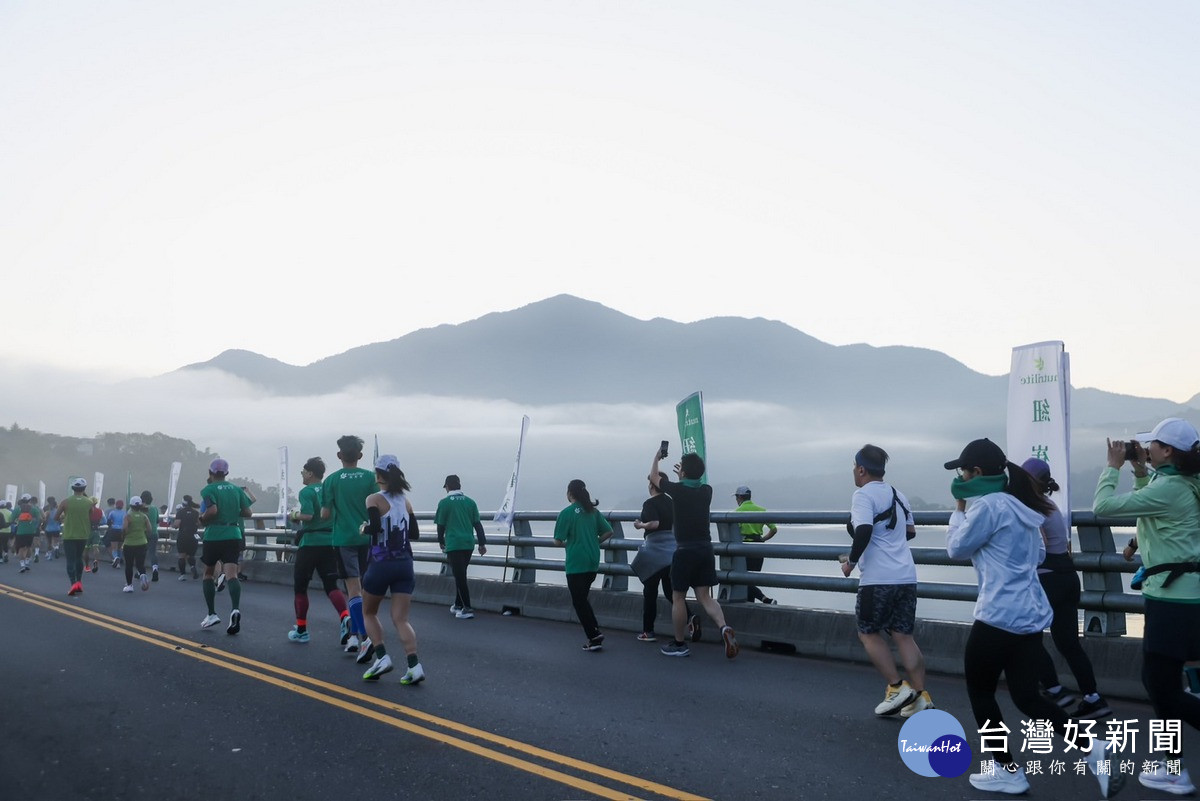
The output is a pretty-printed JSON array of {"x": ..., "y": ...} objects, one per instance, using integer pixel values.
[
  {"x": 1091, "y": 710},
  {"x": 36, "y": 558},
  {"x": 209, "y": 622},
  {"x": 95, "y": 565},
  {"x": 127, "y": 588},
  {"x": 87, "y": 568},
  {"x": 154, "y": 573},
  {"x": 235, "y": 622},
  {"x": 769, "y": 601},
  {"x": 182, "y": 577},
  {"x": 1062, "y": 696},
  {"x": 1159, "y": 778},
  {"x": 345, "y": 629},
  {"x": 1001, "y": 780},
  {"x": 145, "y": 582},
  {"x": 366, "y": 652},
  {"x": 675, "y": 649},
  {"x": 221, "y": 582},
  {"x": 693, "y": 628},
  {"x": 415, "y": 675},
  {"x": 455, "y": 609},
  {"x": 195, "y": 572},
  {"x": 922, "y": 703},
  {"x": 731, "y": 644},
  {"x": 646, "y": 636},
  {"x": 896, "y": 698},
  {"x": 595, "y": 643},
  {"x": 24, "y": 568},
  {"x": 296, "y": 635},
  {"x": 351, "y": 646},
  {"x": 76, "y": 588},
  {"x": 382, "y": 665},
  {"x": 1111, "y": 781},
  {"x": 466, "y": 613}
]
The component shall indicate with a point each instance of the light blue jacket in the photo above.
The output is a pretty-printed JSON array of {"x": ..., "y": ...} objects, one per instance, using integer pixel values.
[{"x": 1002, "y": 537}]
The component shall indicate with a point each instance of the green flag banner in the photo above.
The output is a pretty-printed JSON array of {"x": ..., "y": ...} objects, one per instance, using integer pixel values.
[{"x": 689, "y": 413}]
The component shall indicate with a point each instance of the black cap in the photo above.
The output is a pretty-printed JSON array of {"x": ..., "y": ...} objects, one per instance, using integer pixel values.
[
  {"x": 981, "y": 453},
  {"x": 452, "y": 483}
]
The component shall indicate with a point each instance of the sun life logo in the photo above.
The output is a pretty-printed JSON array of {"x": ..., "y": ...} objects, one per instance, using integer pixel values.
[
  {"x": 1039, "y": 364},
  {"x": 933, "y": 743}
]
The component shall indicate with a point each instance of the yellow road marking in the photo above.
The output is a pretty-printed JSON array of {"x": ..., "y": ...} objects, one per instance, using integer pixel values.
[{"x": 296, "y": 682}]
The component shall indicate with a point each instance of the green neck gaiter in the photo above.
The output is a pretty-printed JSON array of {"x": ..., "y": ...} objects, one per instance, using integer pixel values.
[{"x": 980, "y": 485}]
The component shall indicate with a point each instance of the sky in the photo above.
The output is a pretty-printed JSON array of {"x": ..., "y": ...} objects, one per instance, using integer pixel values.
[{"x": 300, "y": 178}]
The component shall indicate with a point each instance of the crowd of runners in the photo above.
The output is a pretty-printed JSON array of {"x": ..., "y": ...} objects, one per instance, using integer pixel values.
[{"x": 355, "y": 527}]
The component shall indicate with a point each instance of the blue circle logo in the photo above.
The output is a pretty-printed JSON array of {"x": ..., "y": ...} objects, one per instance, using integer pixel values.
[{"x": 933, "y": 743}]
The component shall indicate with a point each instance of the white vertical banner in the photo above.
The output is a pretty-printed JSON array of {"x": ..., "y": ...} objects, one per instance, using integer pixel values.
[
  {"x": 509, "y": 506},
  {"x": 42, "y": 493},
  {"x": 10, "y": 494},
  {"x": 281, "y": 512},
  {"x": 172, "y": 486},
  {"x": 1039, "y": 412},
  {"x": 98, "y": 487}
]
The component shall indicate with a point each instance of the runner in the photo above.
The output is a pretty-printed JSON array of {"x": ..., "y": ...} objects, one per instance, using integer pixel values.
[
  {"x": 187, "y": 523},
  {"x": 225, "y": 505},
  {"x": 135, "y": 537},
  {"x": 314, "y": 552},
  {"x": 52, "y": 529},
  {"x": 458, "y": 529},
  {"x": 391, "y": 525},
  {"x": 344, "y": 501},
  {"x": 28, "y": 521},
  {"x": 74, "y": 516},
  {"x": 115, "y": 519},
  {"x": 152, "y": 534}
]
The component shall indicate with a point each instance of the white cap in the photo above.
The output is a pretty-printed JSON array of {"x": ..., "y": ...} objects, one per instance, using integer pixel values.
[
  {"x": 1179, "y": 434},
  {"x": 79, "y": 483},
  {"x": 27, "y": 497},
  {"x": 135, "y": 501},
  {"x": 385, "y": 461}
]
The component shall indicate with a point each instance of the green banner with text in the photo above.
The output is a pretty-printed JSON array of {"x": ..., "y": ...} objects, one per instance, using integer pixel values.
[{"x": 689, "y": 413}]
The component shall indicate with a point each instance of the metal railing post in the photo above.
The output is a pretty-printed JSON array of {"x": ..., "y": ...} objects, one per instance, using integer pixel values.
[
  {"x": 524, "y": 575},
  {"x": 1094, "y": 538},
  {"x": 616, "y": 556},
  {"x": 731, "y": 593}
]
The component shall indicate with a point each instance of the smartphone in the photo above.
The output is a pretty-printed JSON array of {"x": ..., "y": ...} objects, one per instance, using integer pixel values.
[
  {"x": 662, "y": 449},
  {"x": 1131, "y": 449}
]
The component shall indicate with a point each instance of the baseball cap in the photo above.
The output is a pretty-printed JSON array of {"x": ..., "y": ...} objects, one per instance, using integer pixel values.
[
  {"x": 981, "y": 453},
  {"x": 1036, "y": 468},
  {"x": 26, "y": 497},
  {"x": 218, "y": 466},
  {"x": 451, "y": 482},
  {"x": 742, "y": 490},
  {"x": 135, "y": 501},
  {"x": 387, "y": 460},
  {"x": 1178, "y": 433},
  {"x": 79, "y": 483}
]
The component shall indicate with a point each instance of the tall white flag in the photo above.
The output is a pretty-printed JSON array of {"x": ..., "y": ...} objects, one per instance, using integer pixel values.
[
  {"x": 42, "y": 493},
  {"x": 98, "y": 487},
  {"x": 10, "y": 494},
  {"x": 1039, "y": 411},
  {"x": 173, "y": 486},
  {"x": 509, "y": 507},
  {"x": 281, "y": 512}
]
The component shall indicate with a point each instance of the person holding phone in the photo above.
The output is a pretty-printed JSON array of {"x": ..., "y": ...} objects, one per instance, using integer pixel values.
[{"x": 1166, "y": 503}]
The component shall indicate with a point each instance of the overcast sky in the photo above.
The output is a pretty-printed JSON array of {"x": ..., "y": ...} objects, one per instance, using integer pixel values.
[{"x": 299, "y": 178}]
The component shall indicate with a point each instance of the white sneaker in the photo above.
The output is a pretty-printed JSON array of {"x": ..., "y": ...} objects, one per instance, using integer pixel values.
[
  {"x": 382, "y": 665},
  {"x": 455, "y": 609},
  {"x": 1001, "y": 780},
  {"x": 145, "y": 583},
  {"x": 1161, "y": 779},
  {"x": 1111, "y": 782},
  {"x": 209, "y": 622},
  {"x": 922, "y": 703},
  {"x": 466, "y": 613},
  {"x": 182, "y": 577},
  {"x": 415, "y": 675},
  {"x": 127, "y": 588},
  {"x": 895, "y": 699},
  {"x": 351, "y": 645},
  {"x": 365, "y": 651}
]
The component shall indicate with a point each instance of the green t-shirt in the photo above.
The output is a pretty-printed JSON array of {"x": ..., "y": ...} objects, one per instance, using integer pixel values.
[
  {"x": 77, "y": 522},
  {"x": 29, "y": 519},
  {"x": 230, "y": 500},
  {"x": 152, "y": 516},
  {"x": 581, "y": 531},
  {"x": 458, "y": 514},
  {"x": 316, "y": 531},
  {"x": 137, "y": 524},
  {"x": 344, "y": 493}
]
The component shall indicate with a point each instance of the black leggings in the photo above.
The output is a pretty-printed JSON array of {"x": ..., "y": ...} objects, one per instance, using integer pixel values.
[
  {"x": 458, "y": 567},
  {"x": 580, "y": 584},
  {"x": 73, "y": 549},
  {"x": 1062, "y": 588},
  {"x": 992, "y": 651},
  {"x": 134, "y": 554},
  {"x": 650, "y": 597},
  {"x": 1162, "y": 676}
]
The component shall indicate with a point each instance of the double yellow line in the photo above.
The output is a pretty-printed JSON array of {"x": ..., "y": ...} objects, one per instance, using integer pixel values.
[{"x": 383, "y": 711}]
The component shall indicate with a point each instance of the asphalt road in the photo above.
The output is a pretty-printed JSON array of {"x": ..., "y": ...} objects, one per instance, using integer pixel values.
[{"x": 122, "y": 696}]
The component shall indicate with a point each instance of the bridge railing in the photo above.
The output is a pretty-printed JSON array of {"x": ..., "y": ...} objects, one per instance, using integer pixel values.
[{"x": 1104, "y": 599}]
